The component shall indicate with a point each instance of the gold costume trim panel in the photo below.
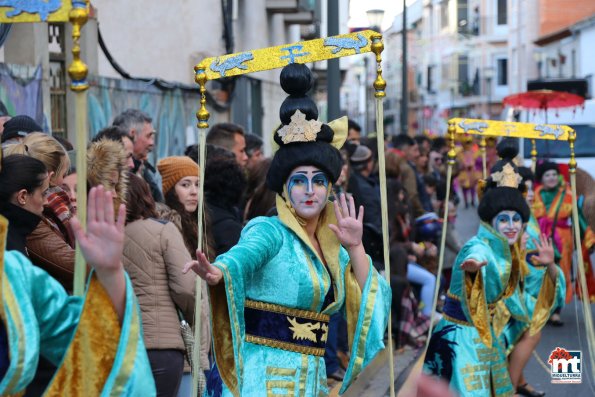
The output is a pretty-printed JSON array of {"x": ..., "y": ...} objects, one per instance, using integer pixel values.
[{"x": 277, "y": 344}]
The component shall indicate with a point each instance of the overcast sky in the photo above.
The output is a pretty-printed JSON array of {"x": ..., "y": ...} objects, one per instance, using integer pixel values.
[{"x": 358, "y": 8}]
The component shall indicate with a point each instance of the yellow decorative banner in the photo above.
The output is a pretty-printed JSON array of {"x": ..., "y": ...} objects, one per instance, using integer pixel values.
[
  {"x": 511, "y": 129},
  {"x": 277, "y": 57},
  {"x": 13, "y": 11}
]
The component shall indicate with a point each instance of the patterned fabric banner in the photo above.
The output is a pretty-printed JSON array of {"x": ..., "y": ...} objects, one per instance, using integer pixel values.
[{"x": 12, "y": 11}]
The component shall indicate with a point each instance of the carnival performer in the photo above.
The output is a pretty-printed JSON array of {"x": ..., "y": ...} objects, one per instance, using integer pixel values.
[
  {"x": 469, "y": 175},
  {"x": 464, "y": 348},
  {"x": 96, "y": 340},
  {"x": 272, "y": 294},
  {"x": 541, "y": 289},
  {"x": 553, "y": 210}
]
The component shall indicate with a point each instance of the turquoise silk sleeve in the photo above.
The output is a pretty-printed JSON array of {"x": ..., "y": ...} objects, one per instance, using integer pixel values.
[
  {"x": 369, "y": 309},
  {"x": 38, "y": 312},
  {"x": 259, "y": 242}
]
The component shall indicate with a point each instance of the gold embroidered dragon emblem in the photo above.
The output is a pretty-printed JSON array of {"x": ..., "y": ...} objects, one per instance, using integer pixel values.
[{"x": 305, "y": 331}]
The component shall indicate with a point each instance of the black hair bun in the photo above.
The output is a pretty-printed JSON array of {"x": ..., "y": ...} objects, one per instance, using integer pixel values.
[
  {"x": 296, "y": 79},
  {"x": 508, "y": 149}
]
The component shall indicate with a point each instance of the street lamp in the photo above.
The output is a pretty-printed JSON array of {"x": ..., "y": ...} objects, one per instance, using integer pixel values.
[
  {"x": 375, "y": 18},
  {"x": 488, "y": 73}
]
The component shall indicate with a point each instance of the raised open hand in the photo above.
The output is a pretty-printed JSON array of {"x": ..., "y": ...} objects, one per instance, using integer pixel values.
[
  {"x": 472, "y": 266},
  {"x": 545, "y": 250},
  {"x": 103, "y": 241},
  {"x": 350, "y": 225},
  {"x": 211, "y": 274}
]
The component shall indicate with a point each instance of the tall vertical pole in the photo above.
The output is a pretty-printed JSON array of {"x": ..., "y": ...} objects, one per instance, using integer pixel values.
[
  {"x": 202, "y": 115},
  {"x": 333, "y": 70},
  {"x": 78, "y": 75},
  {"x": 404, "y": 98}
]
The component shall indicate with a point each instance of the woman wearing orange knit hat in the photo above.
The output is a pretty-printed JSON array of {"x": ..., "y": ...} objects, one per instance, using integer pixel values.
[{"x": 180, "y": 178}]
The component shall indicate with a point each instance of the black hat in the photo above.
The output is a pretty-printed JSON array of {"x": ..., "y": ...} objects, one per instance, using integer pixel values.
[
  {"x": 543, "y": 168},
  {"x": 504, "y": 188},
  {"x": 302, "y": 139},
  {"x": 19, "y": 126}
]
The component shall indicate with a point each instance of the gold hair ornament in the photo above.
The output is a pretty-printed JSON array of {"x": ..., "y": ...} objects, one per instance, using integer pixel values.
[
  {"x": 507, "y": 177},
  {"x": 300, "y": 129}
]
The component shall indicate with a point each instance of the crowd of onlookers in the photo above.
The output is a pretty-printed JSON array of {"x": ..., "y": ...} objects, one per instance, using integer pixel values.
[{"x": 38, "y": 195}]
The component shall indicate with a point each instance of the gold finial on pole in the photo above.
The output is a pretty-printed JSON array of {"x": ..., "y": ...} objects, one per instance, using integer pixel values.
[
  {"x": 484, "y": 160},
  {"x": 377, "y": 48},
  {"x": 203, "y": 114},
  {"x": 77, "y": 70},
  {"x": 572, "y": 162},
  {"x": 533, "y": 155},
  {"x": 452, "y": 154}
]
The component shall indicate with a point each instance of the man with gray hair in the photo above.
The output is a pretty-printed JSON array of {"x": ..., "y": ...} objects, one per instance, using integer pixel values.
[{"x": 139, "y": 126}]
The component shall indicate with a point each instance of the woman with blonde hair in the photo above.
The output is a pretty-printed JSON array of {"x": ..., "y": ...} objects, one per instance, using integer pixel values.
[{"x": 51, "y": 244}]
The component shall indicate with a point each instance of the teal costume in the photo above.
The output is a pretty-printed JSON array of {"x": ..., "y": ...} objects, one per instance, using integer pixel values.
[
  {"x": 536, "y": 291},
  {"x": 94, "y": 353},
  {"x": 463, "y": 348},
  {"x": 270, "y": 316}
]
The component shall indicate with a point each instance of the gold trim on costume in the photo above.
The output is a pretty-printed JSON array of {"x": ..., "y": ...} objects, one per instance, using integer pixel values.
[
  {"x": 277, "y": 371},
  {"x": 303, "y": 376},
  {"x": 367, "y": 320},
  {"x": 292, "y": 347},
  {"x": 271, "y": 307}
]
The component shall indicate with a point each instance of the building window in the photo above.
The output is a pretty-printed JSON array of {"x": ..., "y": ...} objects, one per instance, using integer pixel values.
[
  {"x": 430, "y": 85},
  {"x": 444, "y": 14},
  {"x": 503, "y": 71},
  {"x": 463, "y": 75},
  {"x": 463, "y": 17},
  {"x": 57, "y": 78},
  {"x": 502, "y": 12}
]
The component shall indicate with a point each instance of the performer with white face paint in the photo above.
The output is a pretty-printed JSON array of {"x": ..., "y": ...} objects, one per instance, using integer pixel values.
[
  {"x": 464, "y": 348},
  {"x": 272, "y": 294}
]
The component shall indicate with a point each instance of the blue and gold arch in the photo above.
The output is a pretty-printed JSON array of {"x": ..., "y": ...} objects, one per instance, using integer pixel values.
[{"x": 14, "y": 11}]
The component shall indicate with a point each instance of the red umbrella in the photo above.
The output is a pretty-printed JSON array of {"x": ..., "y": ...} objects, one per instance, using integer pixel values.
[{"x": 543, "y": 100}]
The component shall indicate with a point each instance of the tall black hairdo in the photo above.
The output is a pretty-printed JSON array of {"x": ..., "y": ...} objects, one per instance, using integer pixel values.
[
  {"x": 296, "y": 80},
  {"x": 503, "y": 198}
]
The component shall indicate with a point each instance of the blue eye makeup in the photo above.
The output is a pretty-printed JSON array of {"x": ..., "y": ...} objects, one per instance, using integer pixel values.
[
  {"x": 297, "y": 180},
  {"x": 320, "y": 179},
  {"x": 503, "y": 219}
]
